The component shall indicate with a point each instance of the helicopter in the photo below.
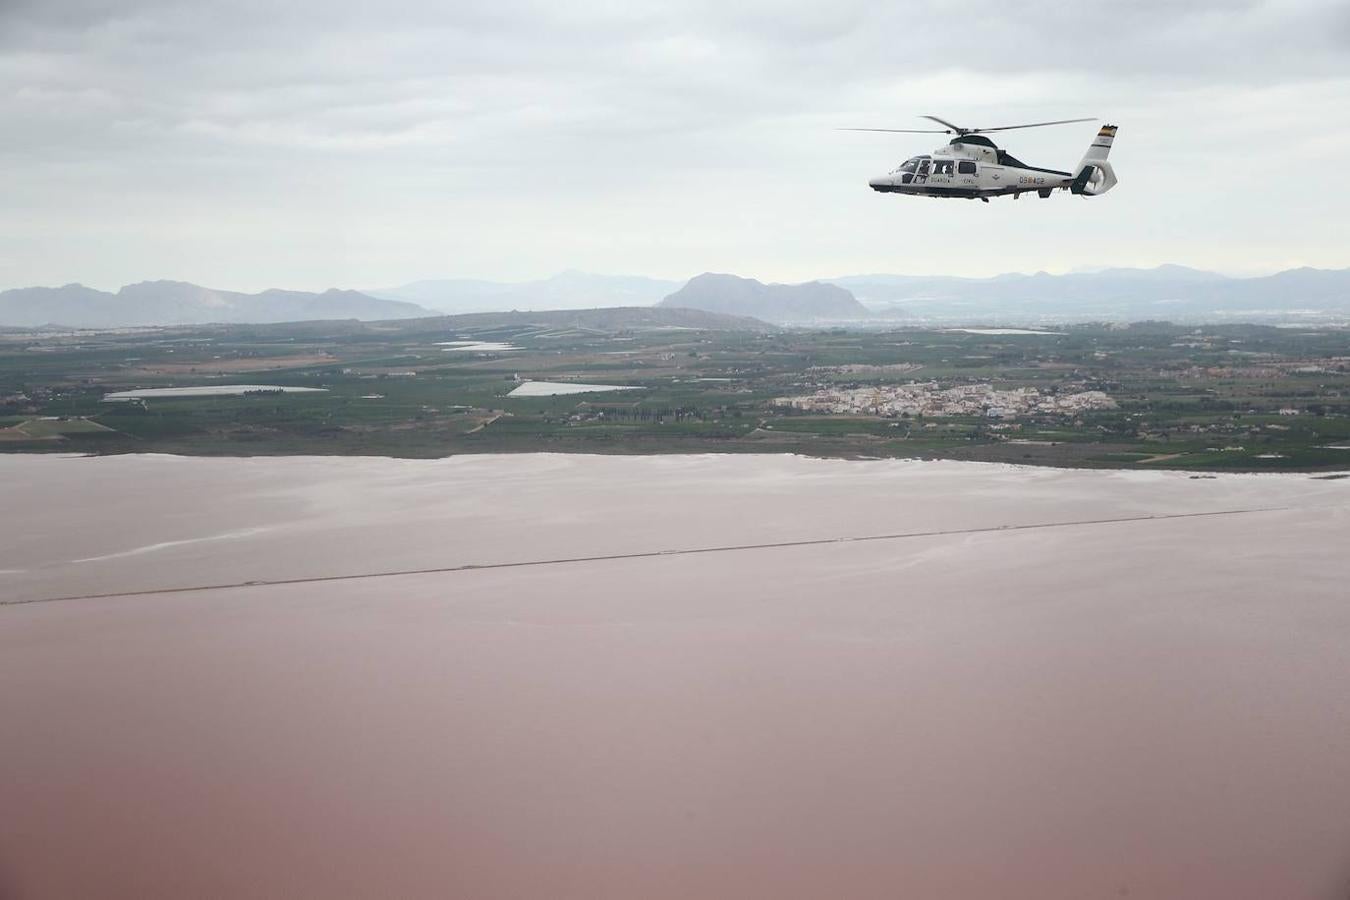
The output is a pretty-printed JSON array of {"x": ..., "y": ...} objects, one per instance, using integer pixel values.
[{"x": 972, "y": 167}]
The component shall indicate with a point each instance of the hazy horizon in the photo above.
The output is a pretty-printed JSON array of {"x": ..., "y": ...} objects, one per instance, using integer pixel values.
[{"x": 369, "y": 289}]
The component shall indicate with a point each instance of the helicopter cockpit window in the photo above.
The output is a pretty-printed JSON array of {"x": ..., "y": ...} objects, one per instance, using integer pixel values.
[{"x": 909, "y": 165}]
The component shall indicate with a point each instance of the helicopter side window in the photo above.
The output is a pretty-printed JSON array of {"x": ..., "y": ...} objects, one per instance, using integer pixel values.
[
  {"x": 942, "y": 167},
  {"x": 965, "y": 167}
]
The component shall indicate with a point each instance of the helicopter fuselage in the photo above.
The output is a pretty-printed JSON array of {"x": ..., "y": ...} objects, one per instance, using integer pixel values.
[{"x": 970, "y": 167}]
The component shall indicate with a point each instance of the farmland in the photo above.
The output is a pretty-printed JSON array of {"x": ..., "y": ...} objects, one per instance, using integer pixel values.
[{"x": 1222, "y": 397}]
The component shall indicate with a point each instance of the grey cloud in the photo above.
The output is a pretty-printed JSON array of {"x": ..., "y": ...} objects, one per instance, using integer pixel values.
[{"x": 485, "y": 105}]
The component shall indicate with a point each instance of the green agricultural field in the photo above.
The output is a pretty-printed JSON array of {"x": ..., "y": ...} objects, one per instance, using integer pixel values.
[{"x": 1233, "y": 397}]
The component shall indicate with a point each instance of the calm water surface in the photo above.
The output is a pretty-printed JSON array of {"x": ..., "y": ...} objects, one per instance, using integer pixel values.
[{"x": 1146, "y": 708}]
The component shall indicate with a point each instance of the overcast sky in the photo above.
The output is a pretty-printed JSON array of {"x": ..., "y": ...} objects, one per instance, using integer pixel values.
[{"x": 315, "y": 143}]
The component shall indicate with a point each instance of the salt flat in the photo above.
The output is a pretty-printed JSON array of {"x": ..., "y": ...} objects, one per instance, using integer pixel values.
[
  {"x": 557, "y": 388},
  {"x": 947, "y": 680},
  {"x": 1002, "y": 331},
  {"x": 477, "y": 346},
  {"x": 210, "y": 390}
]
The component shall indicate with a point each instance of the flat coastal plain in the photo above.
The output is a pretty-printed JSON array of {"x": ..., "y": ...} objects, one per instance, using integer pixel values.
[{"x": 573, "y": 676}]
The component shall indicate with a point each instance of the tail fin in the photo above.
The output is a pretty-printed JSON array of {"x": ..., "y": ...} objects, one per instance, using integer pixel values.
[{"x": 1095, "y": 175}]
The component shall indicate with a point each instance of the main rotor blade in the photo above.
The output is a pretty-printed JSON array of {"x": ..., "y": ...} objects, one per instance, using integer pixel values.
[
  {"x": 897, "y": 130},
  {"x": 1031, "y": 125},
  {"x": 955, "y": 129}
]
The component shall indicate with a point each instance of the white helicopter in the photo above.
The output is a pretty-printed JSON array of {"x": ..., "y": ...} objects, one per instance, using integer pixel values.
[{"x": 971, "y": 166}]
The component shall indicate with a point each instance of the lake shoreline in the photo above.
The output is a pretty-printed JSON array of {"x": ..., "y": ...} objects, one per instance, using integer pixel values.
[{"x": 53, "y": 449}]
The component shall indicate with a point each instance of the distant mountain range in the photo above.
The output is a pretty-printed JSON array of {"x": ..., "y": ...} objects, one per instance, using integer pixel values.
[
  {"x": 568, "y": 290},
  {"x": 1166, "y": 292},
  {"x": 778, "y": 303},
  {"x": 607, "y": 319},
  {"x": 180, "y": 303}
]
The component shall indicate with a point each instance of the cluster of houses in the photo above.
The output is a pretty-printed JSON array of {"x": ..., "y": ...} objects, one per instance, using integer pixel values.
[{"x": 931, "y": 399}]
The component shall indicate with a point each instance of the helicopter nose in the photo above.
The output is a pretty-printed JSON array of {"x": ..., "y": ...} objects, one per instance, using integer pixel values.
[{"x": 882, "y": 183}]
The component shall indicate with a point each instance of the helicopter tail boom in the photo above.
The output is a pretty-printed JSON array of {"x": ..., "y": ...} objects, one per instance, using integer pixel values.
[{"x": 1095, "y": 175}]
